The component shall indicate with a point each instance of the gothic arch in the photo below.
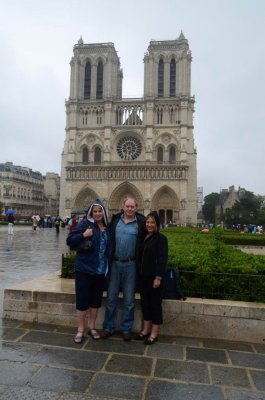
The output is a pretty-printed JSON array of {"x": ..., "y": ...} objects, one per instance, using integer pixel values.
[
  {"x": 83, "y": 199},
  {"x": 86, "y": 60},
  {"x": 102, "y": 59},
  {"x": 165, "y": 201},
  {"x": 173, "y": 153},
  {"x": 89, "y": 140},
  {"x": 159, "y": 56},
  {"x": 124, "y": 190}
]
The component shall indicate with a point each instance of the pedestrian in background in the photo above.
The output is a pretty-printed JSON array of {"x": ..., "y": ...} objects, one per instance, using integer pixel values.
[
  {"x": 10, "y": 219},
  {"x": 34, "y": 223}
]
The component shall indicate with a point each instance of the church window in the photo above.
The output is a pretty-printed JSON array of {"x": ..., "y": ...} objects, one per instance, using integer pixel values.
[
  {"x": 97, "y": 155},
  {"x": 160, "y": 154},
  {"x": 87, "y": 86},
  {"x": 172, "y": 77},
  {"x": 85, "y": 155},
  {"x": 129, "y": 148},
  {"x": 172, "y": 154},
  {"x": 100, "y": 80},
  {"x": 161, "y": 78}
]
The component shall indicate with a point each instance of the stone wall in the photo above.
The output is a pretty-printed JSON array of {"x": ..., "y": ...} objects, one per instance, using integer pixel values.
[{"x": 50, "y": 299}]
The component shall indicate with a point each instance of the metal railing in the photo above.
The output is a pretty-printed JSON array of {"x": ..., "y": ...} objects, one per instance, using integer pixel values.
[{"x": 223, "y": 286}]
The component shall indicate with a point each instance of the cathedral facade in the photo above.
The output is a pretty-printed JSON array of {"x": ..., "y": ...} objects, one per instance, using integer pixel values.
[{"x": 141, "y": 147}]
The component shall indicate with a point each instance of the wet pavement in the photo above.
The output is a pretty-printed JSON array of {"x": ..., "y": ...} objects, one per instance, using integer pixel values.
[
  {"x": 41, "y": 361},
  {"x": 27, "y": 254}
]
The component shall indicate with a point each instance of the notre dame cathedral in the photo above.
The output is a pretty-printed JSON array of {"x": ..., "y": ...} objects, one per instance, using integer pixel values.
[{"x": 142, "y": 147}]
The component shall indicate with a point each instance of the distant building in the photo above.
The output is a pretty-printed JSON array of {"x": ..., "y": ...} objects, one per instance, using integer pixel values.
[
  {"x": 51, "y": 193},
  {"x": 28, "y": 192},
  {"x": 141, "y": 147},
  {"x": 227, "y": 199},
  {"x": 21, "y": 189}
]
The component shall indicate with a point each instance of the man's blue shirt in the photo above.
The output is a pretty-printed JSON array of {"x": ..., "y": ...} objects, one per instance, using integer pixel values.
[{"x": 126, "y": 235}]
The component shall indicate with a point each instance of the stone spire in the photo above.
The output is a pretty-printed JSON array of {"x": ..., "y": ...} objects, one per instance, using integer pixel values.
[
  {"x": 80, "y": 41},
  {"x": 181, "y": 36}
]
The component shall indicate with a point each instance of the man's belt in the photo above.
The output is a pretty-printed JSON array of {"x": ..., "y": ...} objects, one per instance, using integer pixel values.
[{"x": 124, "y": 260}]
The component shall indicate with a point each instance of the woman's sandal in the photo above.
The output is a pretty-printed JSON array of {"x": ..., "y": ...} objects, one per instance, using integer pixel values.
[
  {"x": 142, "y": 336},
  {"x": 94, "y": 334},
  {"x": 150, "y": 340},
  {"x": 79, "y": 337}
]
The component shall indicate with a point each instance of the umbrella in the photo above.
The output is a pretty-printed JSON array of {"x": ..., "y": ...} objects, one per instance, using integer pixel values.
[{"x": 8, "y": 212}]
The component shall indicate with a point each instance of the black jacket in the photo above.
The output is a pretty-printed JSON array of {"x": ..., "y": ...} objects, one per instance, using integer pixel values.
[
  {"x": 141, "y": 229},
  {"x": 153, "y": 255}
]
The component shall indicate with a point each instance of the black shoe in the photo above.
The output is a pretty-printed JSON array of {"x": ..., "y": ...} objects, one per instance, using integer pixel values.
[
  {"x": 105, "y": 334},
  {"x": 126, "y": 336},
  {"x": 142, "y": 336},
  {"x": 150, "y": 340}
]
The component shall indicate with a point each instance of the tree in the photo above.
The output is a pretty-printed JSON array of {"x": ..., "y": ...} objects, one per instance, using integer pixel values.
[
  {"x": 246, "y": 211},
  {"x": 208, "y": 208}
]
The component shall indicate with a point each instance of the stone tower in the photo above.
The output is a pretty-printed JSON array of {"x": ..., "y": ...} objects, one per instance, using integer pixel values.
[{"x": 141, "y": 147}]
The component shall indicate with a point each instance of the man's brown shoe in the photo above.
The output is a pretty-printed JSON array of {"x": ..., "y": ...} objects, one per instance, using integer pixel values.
[
  {"x": 126, "y": 336},
  {"x": 105, "y": 334}
]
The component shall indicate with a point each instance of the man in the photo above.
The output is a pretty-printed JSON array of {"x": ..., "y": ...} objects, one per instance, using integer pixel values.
[{"x": 126, "y": 234}]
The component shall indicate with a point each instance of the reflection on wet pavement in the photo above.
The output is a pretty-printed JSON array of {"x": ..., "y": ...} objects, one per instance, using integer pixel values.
[{"x": 27, "y": 254}]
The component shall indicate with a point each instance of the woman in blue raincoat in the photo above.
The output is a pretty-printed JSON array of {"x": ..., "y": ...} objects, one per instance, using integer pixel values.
[{"x": 91, "y": 266}]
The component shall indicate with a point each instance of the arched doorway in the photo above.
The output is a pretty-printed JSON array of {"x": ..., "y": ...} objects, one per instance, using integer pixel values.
[
  {"x": 118, "y": 195},
  {"x": 83, "y": 200},
  {"x": 166, "y": 203}
]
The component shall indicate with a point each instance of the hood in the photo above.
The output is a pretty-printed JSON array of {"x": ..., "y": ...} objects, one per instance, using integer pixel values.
[
  {"x": 155, "y": 215},
  {"x": 98, "y": 203}
]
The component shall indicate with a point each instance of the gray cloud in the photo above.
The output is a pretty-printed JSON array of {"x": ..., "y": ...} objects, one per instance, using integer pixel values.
[{"x": 226, "y": 40}]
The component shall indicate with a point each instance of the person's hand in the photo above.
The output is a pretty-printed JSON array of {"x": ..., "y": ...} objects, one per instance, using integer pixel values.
[
  {"x": 156, "y": 283},
  {"x": 88, "y": 233}
]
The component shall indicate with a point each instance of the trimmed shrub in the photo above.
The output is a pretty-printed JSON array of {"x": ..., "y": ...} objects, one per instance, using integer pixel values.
[
  {"x": 210, "y": 267},
  {"x": 67, "y": 270}
]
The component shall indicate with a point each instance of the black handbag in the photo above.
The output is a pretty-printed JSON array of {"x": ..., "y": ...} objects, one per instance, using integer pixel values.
[
  {"x": 85, "y": 245},
  {"x": 172, "y": 287}
]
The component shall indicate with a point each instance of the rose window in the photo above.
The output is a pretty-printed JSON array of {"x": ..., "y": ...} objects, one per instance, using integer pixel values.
[{"x": 129, "y": 148}]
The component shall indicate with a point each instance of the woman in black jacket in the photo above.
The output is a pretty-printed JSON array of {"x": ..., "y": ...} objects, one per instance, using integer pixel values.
[{"x": 153, "y": 262}]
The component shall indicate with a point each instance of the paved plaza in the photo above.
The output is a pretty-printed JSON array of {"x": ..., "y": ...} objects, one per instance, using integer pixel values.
[{"x": 40, "y": 361}]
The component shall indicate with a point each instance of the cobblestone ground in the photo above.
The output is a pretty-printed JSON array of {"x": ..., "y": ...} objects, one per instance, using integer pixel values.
[
  {"x": 41, "y": 361},
  {"x": 27, "y": 254}
]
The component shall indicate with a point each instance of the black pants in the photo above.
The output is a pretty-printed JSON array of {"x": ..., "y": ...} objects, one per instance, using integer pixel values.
[{"x": 151, "y": 300}]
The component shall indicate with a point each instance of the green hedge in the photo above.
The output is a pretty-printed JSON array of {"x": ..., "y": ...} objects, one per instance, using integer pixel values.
[
  {"x": 67, "y": 270},
  {"x": 216, "y": 270}
]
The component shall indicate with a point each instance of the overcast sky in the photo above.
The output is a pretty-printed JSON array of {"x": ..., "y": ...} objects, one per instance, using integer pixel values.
[{"x": 226, "y": 38}]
